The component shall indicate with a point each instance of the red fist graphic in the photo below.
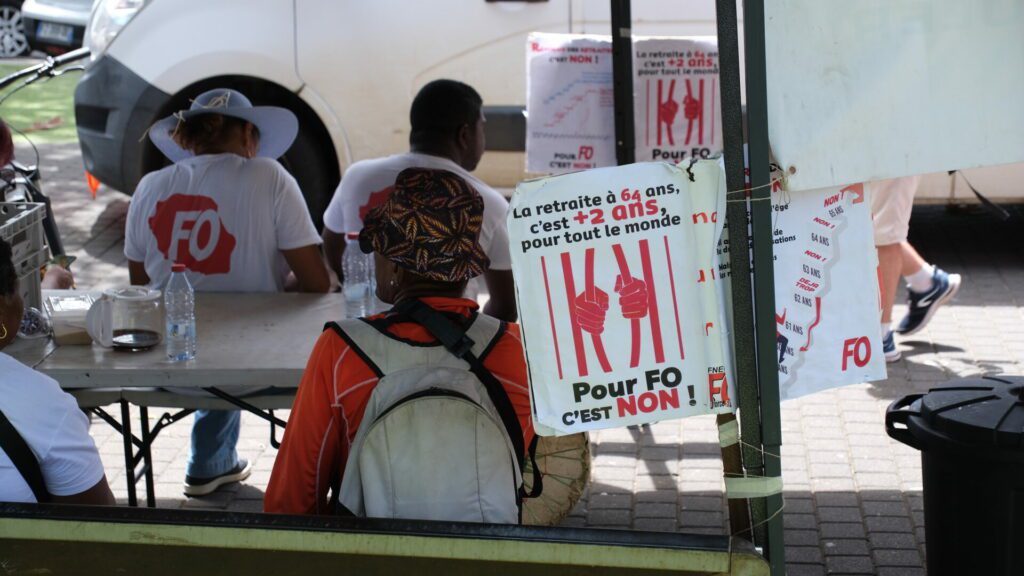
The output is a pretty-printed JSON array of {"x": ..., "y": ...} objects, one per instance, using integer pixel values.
[
  {"x": 633, "y": 297},
  {"x": 667, "y": 111},
  {"x": 591, "y": 307},
  {"x": 691, "y": 107}
]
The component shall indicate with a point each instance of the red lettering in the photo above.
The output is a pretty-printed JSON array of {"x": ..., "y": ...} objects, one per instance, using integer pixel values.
[
  {"x": 668, "y": 398},
  {"x": 714, "y": 388},
  {"x": 648, "y": 402},
  {"x": 626, "y": 406},
  {"x": 859, "y": 349}
]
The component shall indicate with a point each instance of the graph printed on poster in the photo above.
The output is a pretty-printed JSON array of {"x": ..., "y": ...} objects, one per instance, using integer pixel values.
[
  {"x": 826, "y": 288},
  {"x": 570, "y": 101},
  {"x": 616, "y": 326}
]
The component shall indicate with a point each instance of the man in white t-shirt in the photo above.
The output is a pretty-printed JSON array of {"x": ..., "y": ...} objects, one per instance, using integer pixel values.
[{"x": 447, "y": 134}]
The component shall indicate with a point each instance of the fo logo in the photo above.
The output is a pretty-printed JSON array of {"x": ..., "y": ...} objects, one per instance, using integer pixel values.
[
  {"x": 859, "y": 349},
  {"x": 189, "y": 231}
]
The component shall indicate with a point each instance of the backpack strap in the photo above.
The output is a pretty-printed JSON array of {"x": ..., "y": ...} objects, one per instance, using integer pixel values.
[
  {"x": 455, "y": 341},
  {"x": 24, "y": 460},
  {"x": 334, "y": 326}
]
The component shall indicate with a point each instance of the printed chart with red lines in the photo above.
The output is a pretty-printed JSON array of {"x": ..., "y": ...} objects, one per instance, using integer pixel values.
[
  {"x": 569, "y": 103},
  {"x": 607, "y": 276}
]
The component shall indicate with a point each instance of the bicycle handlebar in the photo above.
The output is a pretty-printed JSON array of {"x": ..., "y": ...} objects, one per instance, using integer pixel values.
[{"x": 45, "y": 68}]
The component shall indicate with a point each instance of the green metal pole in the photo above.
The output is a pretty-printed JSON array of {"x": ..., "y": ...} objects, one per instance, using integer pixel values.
[
  {"x": 622, "y": 82},
  {"x": 764, "y": 281},
  {"x": 739, "y": 261}
]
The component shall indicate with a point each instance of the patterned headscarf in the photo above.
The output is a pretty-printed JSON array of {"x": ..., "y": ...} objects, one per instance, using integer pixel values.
[{"x": 429, "y": 225}]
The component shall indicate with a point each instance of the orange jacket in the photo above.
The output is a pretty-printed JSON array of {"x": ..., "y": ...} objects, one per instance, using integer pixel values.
[{"x": 329, "y": 407}]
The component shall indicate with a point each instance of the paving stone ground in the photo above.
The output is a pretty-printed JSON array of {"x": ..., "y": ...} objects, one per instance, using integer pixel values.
[{"x": 853, "y": 500}]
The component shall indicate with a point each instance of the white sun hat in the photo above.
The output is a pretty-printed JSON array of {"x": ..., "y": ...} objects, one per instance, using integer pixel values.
[{"x": 278, "y": 127}]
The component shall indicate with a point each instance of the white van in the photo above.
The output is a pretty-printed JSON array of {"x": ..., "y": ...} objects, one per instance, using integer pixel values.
[{"x": 347, "y": 68}]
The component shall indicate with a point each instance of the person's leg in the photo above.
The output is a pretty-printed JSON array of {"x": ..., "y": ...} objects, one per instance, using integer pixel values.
[
  {"x": 891, "y": 204},
  {"x": 917, "y": 273},
  {"x": 213, "y": 460},
  {"x": 890, "y": 263}
]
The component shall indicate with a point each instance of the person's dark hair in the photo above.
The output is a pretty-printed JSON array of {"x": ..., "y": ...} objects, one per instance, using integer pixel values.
[
  {"x": 8, "y": 276},
  {"x": 205, "y": 131},
  {"x": 439, "y": 109}
]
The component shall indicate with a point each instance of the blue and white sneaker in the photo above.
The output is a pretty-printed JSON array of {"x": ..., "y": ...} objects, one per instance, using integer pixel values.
[
  {"x": 892, "y": 354},
  {"x": 923, "y": 305}
]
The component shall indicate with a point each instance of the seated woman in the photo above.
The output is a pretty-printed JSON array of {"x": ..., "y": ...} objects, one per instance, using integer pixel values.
[
  {"x": 58, "y": 460},
  {"x": 230, "y": 213},
  {"x": 425, "y": 240}
]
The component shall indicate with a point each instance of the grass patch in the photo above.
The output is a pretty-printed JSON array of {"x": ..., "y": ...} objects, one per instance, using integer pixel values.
[{"x": 40, "y": 102}]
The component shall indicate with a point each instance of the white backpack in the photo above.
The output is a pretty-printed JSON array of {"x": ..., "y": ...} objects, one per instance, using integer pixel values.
[{"x": 433, "y": 443}]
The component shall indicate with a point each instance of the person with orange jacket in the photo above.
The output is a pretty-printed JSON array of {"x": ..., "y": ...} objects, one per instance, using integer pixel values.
[{"x": 425, "y": 240}]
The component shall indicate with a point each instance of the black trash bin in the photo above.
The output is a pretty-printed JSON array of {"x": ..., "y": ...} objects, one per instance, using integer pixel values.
[{"x": 971, "y": 436}]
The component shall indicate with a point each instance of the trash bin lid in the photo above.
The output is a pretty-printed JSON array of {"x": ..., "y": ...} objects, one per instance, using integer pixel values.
[{"x": 982, "y": 412}]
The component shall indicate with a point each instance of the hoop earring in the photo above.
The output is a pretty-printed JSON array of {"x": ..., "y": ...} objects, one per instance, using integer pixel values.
[{"x": 4, "y": 335}]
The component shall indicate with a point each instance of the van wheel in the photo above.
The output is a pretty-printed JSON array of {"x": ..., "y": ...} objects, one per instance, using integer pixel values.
[
  {"x": 311, "y": 167},
  {"x": 13, "y": 42}
]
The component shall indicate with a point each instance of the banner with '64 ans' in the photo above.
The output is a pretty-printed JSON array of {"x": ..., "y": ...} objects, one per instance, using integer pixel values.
[{"x": 618, "y": 326}]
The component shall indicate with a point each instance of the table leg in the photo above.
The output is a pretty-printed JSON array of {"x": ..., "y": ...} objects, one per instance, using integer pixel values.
[
  {"x": 129, "y": 467},
  {"x": 147, "y": 457}
]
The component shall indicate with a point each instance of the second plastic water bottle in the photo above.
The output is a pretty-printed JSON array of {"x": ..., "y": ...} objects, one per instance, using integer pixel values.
[
  {"x": 358, "y": 282},
  {"x": 179, "y": 302}
]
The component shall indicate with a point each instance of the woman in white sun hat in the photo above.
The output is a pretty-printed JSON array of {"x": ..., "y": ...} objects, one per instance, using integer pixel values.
[{"x": 230, "y": 213}]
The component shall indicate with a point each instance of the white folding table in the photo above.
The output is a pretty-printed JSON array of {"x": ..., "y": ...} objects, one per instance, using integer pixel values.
[{"x": 247, "y": 343}]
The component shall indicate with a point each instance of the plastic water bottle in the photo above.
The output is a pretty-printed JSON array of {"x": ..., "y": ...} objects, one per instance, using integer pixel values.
[
  {"x": 180, "y": 304},
  {"x": 358, "y": 282}
]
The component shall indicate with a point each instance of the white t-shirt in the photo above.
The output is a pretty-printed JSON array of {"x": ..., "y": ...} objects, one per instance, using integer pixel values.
[
  {"x": 369, "y": 182},
  {"x": 227, "y": 218},
  {"x": 56, "y": 431}
]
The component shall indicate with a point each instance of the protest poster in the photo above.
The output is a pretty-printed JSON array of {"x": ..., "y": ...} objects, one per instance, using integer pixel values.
[
  {"x": 570, "y": 101},
  {"x": 616, "y": 328},
  {"x": 826, "y": 288},
  {"x": 677, "y": 102}
]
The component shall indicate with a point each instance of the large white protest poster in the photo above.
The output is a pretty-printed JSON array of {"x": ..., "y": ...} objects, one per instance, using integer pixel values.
[
  {"x": 826, "y": 290},
  {"x": 570, "y": 103},
  {"x": 615, "y": 325},
  {"x": 677, "y": 99}
]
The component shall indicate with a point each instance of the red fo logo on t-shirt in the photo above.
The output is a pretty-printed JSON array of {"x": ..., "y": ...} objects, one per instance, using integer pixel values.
[{"x": 189, "y": 231}]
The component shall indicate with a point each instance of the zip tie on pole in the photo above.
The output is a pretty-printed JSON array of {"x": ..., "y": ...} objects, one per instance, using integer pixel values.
[
  {"x": 752, "y": 487},
  {"x": 729, "y": 433}
]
